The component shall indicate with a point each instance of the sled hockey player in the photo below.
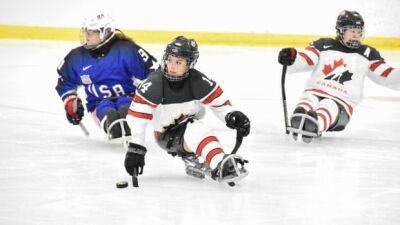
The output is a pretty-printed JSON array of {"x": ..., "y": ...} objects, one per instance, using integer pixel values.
[
  {"x": 173, "y": 98},
  {"x": 339, "y": 67},
  {"x": 109, "y": 65}
]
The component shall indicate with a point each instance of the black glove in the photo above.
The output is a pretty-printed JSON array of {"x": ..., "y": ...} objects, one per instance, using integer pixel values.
[
  {"x": 287, "y": 56},
  {"x": 239, "y": 121},
  {"x": 134, "y": 159},
  {"x": 74, "y": 109}
]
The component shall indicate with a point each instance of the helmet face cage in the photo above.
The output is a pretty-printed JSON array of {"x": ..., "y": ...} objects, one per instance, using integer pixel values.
[
  {"x": 348, "y": 20},
  {"x": 183, "y": 48},
  {"x": 102, "y": 24}
]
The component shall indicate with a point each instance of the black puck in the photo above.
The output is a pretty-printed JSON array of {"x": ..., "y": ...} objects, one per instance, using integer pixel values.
[{"x": 122, "y": 184}]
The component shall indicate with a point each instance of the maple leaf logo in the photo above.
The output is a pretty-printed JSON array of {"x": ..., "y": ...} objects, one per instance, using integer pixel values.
[
  {"x": 341, "y": 78},
  {"x": 329, "y": 69}
]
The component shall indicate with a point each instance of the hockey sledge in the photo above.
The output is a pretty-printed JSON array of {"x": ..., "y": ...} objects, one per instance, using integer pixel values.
[
  {"x": 197, "y": 169},
  {"x": 124, "y": 134},
  {"x": 299, "y": 130}
]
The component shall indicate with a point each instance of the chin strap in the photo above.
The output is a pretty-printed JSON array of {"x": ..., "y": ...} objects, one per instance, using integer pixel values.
[{"x": 94, "y": 47}]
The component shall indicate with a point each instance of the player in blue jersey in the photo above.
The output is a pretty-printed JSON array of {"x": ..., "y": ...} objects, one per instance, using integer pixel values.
[{"x": 109, "y": 65}]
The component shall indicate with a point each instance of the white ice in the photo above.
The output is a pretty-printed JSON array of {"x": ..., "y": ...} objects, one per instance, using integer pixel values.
[{"x": 50, "y": 173}]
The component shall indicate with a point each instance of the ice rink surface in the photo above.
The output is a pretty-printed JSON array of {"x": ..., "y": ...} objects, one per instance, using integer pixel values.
[{"x": 50, "y": 173}]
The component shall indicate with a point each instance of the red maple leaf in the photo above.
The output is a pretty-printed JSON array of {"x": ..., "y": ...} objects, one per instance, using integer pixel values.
[{"x": 328, "y": 68}]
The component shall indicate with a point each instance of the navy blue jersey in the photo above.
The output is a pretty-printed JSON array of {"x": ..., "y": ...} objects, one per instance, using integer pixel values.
[{"x": 107, "y": 75}]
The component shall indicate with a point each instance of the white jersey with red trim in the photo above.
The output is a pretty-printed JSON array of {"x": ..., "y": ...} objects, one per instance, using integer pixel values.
[
  {"x": 339, "y": 72},
  {"x": 166, "y": 103}
]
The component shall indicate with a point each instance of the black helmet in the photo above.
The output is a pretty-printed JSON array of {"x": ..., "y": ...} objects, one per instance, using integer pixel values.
[
  {"x": 347, "y": 20},
  {"x": 181, "y": 47}
]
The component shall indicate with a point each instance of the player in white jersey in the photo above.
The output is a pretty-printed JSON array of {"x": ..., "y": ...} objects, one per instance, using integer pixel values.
[
  {"x": 173, "y": 98},
  {"x": 339, "y": 67}
]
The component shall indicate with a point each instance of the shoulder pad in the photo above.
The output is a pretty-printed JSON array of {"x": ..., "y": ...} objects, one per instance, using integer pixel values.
[
  {"x": 201, "y": 84},
  {"x": 323, "y": 44},
  {"x": 64, "y": 69},
  {"x": 151, "y": 88},
  {"x": 75, "y": 51},
  {"x": 370, "y": 53}
]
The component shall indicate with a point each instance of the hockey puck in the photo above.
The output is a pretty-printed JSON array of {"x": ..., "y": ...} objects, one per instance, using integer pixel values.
[{"x": 122, "y": 184}]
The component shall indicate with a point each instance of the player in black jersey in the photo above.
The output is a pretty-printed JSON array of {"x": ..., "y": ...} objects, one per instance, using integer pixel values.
[
  {"x": 339, "y": 67},
  {"x": 173, "y": 98}
]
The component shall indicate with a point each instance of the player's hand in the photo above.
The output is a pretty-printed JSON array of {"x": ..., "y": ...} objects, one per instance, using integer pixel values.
[
  {"x": 74, "y": 109},
  {"x": 287, "y": 56},
  {"x": 239, "y": 121},
  {"x": 134, "y": 159}
]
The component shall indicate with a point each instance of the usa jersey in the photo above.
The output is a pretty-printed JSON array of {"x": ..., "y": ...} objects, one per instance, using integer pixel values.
[
  {"x": 166, "y": 103},
  {"x": 109, "y": 75},
  {"x": 339, "y": 72}
]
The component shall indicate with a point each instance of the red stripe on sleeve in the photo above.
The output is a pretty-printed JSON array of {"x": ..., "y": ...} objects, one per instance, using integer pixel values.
[
  {"x": 139, "y": 99},
  {"x": 309, "y": 48},
  {"x": 309, "y": 61},
  {"x": 375, "y": 65},
  {"x": 218, "y": 92},
  {"x": 140, "y": 115},
  {"x": 224, "y": 104},
  {"x": 212, "y": 153},
  {"x": 387, "y": 72},
  {"x": 203, "y": 144}
]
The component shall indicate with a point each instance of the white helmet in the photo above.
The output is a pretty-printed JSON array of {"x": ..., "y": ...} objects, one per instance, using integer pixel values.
[{"x": 101, "y": 23}]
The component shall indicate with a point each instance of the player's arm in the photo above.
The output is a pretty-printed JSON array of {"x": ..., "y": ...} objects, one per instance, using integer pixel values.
[
  {"x": 219, "y": 103},
  {"x": 382, "y": 73},
  {"x": 213, "y": 96},
  {"x": 139, "y": 115},
  {"x": 67, "y": 90},
  {"x": 299, "y": 61}
]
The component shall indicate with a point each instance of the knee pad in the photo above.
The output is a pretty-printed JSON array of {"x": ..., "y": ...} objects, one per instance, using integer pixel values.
[
  {"x": 115, "y": 126},
  {"x": 103, "y": 107},
  {"x": 123, "y": 111},
  {"x": 122, "y": 104}
]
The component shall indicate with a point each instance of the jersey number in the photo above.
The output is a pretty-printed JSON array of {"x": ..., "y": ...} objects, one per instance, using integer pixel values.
[
  {"x": 143, "y": 54},
  {"x": 145, "y": 86},
  {"x": 208, "y": 80}
]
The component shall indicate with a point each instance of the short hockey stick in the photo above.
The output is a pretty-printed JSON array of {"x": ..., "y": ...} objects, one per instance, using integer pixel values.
[
  {"x": 84, "y": 130},
  {"x": 135, "y": 182},
  {"x": 239, "y": 139},
  {"x": 284, "y": 98}
]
